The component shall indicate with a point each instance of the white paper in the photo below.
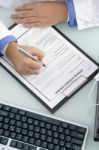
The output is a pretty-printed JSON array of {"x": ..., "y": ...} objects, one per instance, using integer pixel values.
[{"x": 67, "y": 68}]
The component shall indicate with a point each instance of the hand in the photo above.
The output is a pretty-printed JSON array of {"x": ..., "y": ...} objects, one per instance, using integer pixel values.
[
  {"x": 40, "y": 14},
  {"x": 23, "y": 64}
]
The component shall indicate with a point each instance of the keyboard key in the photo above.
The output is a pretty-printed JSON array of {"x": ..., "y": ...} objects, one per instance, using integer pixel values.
[
  {"x": 13, "y": 144},
  {"x": 1, "y": 125},
  {"x": 18, "y": 137},
  {"x": 5, "y": 126},
  {"x": 36, "y": 122},
  {"x": 12, "y": 122},
  {"x": 6, "y": 120},
  {"x": 76, "y": 141},
  {"x": 72, "y": 127},
  {"x": 54, "y": 128},
  {"x": 7, "y": 108},
  {"x": 81, "y": 130},
  {"x": 60, "y": 130},
  {"x": 17, "y": 117},
  {"x": 21, "y": 112},
  {"x": 1, "y": 118},
  {"x": 50, "y": 146},
  {"x": 12, "y": 135},
  {"x": 3, "y": 140},
  {"x": 6, "y": 133},
  {"x": 68, "y": 138},
  {"x": 55, "y": 141},
  {"x": 64, "y": 124},
  {"x": 68, "y": 145},
  {"x": 44, "y": 144},
  {"x": 31, "y": 141},
  {"x": 23, "y": 119},
  {"x": 30, "y": 121},
  {"x": 42, "y": 124},
  {"x": 43, "y": 137},
  {"x": 77, "y": 135},
  {"x": 3, "y": 113},
  {"x": 1, "y": 106},
  {"x": 62, "y": 137},
  {"x": 32, "y": 148},
  {"x": 19, "y": 145},
  {"x": 14, "y": 110},
  {"x": 57, "y": 148},
  {"x": 11, "y": 115},
  {"x": 18, "y": 123},
  {"x": 25, "y": 147},
  {"x": 18, "y": 130},
  {"x": 48, "y": 126},
  {"x": 38, "y": 142},
  {"x": 12, "y": 128},
  {"x": 76, "y": 147},
  {"x": 25, "y": 139}
]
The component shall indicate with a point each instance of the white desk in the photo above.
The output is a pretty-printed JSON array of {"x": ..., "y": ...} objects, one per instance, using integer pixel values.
[{"x": 78, "y": 108}]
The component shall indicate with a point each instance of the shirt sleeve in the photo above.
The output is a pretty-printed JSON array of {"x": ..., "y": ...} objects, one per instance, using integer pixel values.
[
  {"x": 5, "y": 37},
  {"x": 87, "y": 13},
  {"x": 72, "y": 16}
]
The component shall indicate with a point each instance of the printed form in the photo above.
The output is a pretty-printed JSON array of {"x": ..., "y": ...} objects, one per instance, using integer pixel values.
[{"x": 67, "y": 68}]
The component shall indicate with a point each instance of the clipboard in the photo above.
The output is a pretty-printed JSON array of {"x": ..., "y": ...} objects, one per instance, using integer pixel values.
[{"x": 60, "y": 86}]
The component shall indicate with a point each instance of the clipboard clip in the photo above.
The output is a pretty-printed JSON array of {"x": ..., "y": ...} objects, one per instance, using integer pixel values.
[{"x": 76, "y": 84}]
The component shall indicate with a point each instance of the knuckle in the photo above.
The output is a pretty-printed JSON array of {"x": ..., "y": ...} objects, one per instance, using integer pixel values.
[
  {"x": 23, "y": 14},
  {"x": 38, "y": 5},
  {"x": 29, "y": 19},
  {"x": 19, "y": 69},
  {"x": 25, "y": 6}
]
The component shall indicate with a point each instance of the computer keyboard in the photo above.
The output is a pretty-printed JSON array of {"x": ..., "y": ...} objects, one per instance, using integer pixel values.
[{"x": 27, "y": 130}]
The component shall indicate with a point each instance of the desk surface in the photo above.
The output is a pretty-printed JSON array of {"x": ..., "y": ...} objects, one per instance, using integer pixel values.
[{"x": 78, "y": 108}]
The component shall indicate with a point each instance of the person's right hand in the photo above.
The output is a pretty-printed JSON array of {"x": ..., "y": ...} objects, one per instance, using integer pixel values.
[{"x": 21, "y": 62}]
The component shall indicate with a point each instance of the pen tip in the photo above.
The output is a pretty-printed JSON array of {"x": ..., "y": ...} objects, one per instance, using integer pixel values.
[{"x": 44, "y": 65}]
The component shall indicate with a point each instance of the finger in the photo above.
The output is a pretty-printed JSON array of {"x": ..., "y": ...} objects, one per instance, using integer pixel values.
[
  {"x": 40, "y": 54},
  {"x": 28, "y": 71},
  {"x": 34, "y": 24},
  {"x": 22, "y": 14},
  {"x": 31, "y": 71},
  {"x": 34, "y": 64},
  {"x": 25, "y": 7},
  {"x": 29, "y": 20},
  {"x": 34, "y": 51}
]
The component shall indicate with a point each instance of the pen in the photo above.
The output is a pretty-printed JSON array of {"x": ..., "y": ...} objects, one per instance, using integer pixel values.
[
  {"x": 96, "y": 130},
  {"x": 29, "y": 55}
]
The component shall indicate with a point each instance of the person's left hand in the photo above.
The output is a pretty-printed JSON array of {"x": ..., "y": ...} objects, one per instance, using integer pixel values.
[{"x": 40, "y": 14}]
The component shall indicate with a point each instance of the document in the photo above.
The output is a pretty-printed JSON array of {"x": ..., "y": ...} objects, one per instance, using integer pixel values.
[{"x": 67, "y": 67}]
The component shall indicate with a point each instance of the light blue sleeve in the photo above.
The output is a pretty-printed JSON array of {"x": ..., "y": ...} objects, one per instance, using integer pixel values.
[
  {"x": 72, "y": 16},
  {"x": 6, "y": 40}
]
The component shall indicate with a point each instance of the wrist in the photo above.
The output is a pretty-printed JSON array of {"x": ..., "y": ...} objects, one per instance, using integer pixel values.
[
  {"x": 63, "y": 12},
  {"x": 11, "y": 50}
]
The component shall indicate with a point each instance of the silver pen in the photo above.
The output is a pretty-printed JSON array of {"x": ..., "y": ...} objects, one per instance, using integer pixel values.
[{"x": 29, "y": 55}]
